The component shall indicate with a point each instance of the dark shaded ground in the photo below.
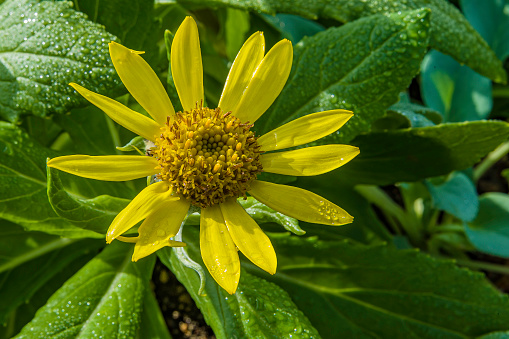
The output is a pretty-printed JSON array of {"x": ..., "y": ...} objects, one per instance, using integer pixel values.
[{"x": 183, "y": 317}]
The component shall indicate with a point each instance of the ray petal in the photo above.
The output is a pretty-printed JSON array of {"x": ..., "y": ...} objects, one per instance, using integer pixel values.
[
  {"x": 248, "y": 236},
  {"x": 218, "y": 249},
  {"x": 242, "y": 71},
  {"x": 145, "y": 203},
  {"x": 267, "y": 82},
  {"x": 133, "y": 121},
  {"x": 186, "y": 64},
  {"x": 308, "y": 161},
  {"x": 161, "y": 225},
  {"x": 303, "y": 130},
  {"x": 303, "y": 205},
  {"x": 106, "y": 167}
]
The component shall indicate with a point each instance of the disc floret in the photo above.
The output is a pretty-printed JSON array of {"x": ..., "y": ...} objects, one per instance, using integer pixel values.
[{"x": 207, "y": 155}]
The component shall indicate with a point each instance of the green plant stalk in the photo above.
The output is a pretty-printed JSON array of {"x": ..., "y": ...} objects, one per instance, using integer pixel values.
[
  {"x": 483, "y": 266},
  {"x": 378, "y": 197},
  {"x": 113, "y": 132},
  {"x": 490, "y": 160}
]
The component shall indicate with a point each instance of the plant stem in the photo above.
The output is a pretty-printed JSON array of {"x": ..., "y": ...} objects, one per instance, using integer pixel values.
[
  {"x": 113, "y": 132},
  {"x": 483, "y": 266},
  {"x": 490, "y": 160},
  {"x": 378, "y": 197}
]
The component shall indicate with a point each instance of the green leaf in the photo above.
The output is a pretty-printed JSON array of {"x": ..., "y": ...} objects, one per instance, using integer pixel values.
[
  {"x": 418, "y": 116},
  {"x": 131, "y": 21},
  {"x": 44, "y": 46},
  {"x": 418, "y": 153},
  {"x": 377, "y": 291},
  {"x": 236, "y": 27},
  {"x": 103, "y": 299},
  {"x": 334, "y": 69},
  {"x": 455, "y": 194},
  {"x": 293, "y": 27},
  {"x": 94, "y": 214},
  {"x": 489, "y": 232},
  {"x": 456, "y": 91},
  {"x": 447, "y": 24},
  {"x": 258, "y": 309},
  {"x": 23, "y": 186},
  {"x": 153, "y": 325},
  {"x": 496, "y": 335},
  {"x": 491, "y": 20},
  {"x": 136, "y": 144},
  {"x": 261, "y": 214},
  {"x": 42, "y": 255}
]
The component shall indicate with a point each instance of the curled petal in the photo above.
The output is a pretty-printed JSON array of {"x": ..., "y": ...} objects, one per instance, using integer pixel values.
[
  {"x": 106, "y": 167},
  {"x": 303, "y": 205},
  {"x": 303, "y": 130},
  {"x": 267, "y": 82},
  {"x": 218, "y": 249},
  {"x": 242, "y": 71},
  {"x": 186, "y": 64},
  {"x": 308, "y": 161},
  {"x": 133, "y": 121},
  {"x": 149, "y": 199},
  {"x": 161, "y": 225},
  {"x": 248, "y": 236}
]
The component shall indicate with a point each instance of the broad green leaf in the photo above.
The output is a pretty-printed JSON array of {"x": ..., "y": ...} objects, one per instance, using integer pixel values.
[
  {"x": 258, "y": 309},
  {"x": 454, "y": 90},
  {"x": 104, "y": 298},
  {"x": 447, "y": 24},
  {"x": 337, "y": 69},
  {"x": 418, "y": 116},
  {"x": 44, "y": 46},
  {"x": 131, "y": 21},
  {"x": 496, "y": 335},
  {"x": 23, "y": 186},
  {"x": 236, "y": 27},
  {"x": 378, "y": 291},
  {"x": 489, "y": 232},
  {"x": 419, "y": 153},
  {"x": 455, "y": 194},
  {"x": 153, "y": 324},
  {"x": 491, "y": 20},
  {"x": 42, "y": 255},
  {"x": 94, "y": 214}
]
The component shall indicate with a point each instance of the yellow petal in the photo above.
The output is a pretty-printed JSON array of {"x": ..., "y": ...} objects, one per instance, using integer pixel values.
[
  {"x": 186, "y": 65},
  {"x": 267, "y": 82},
  {"x": 133, "y": 121},
  {"x": 248, "y": 236},
  {"x": 106, "y": 167},
  {"x": 145, "y": 203},
  {"x": 308, "y": 161},
  {"x": 303, "y": 130},
  {"x": 303, "y": 205},
  {"x": 141, "y": 81},
  {"x": 218, "y": 249},
  {"x": 161, "y": 225},
  {"x": 241, "y": 72}
]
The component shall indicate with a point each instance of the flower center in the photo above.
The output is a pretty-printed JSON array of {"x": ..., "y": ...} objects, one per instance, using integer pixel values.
[{"x": 207, "y": 155}]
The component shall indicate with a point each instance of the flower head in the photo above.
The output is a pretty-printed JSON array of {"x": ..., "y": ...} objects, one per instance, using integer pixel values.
[{"x": 210, "y": 157}]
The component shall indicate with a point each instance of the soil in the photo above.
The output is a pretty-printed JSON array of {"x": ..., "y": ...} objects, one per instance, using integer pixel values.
[{"x": 184, "y": 319}]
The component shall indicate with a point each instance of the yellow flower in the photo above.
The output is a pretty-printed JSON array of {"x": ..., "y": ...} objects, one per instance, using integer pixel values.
[{"x": 209, "y": 157}]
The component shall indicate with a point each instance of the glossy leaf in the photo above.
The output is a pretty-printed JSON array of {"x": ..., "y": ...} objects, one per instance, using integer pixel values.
[
  {"x": 333, "y": 69},
  {"x": 43, "y": 255},
  {"x": 447, "y": 23},
  {"x": 104, "y": 298},
  {"x": 56, "y": 46},
  {"x": 489, "y": 232},
  {"x": 365, "y": 291},
  {"x": 415, "y": 154},
  {"x": 23, "y": 186}
]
